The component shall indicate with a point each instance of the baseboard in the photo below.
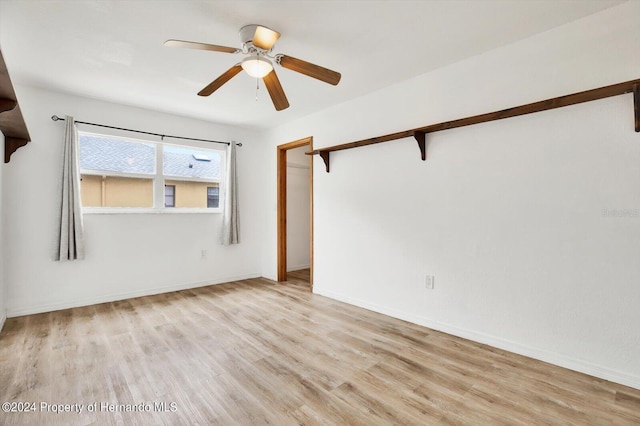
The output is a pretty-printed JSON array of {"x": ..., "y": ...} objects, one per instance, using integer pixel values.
[
  {"x": 3, "y": 318},
  {"x": 29, "y": 310},
  {"x": 528, "y": 351},
  {"x": 297, "y": 268}
]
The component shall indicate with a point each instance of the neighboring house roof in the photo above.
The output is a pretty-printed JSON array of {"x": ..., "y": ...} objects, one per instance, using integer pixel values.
[
  {"x": 100, "y": 153},
  {"x": 185, "y": 164}
]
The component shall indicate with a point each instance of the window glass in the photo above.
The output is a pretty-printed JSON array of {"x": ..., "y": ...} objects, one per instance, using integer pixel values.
[
  {"x": 188, "y": 162},
  {"x": 115, "y": 191},
  {"x": 190, "y": 194},
  {"x": 116, "y": 155},
  {"x": 119, "y": 172}
]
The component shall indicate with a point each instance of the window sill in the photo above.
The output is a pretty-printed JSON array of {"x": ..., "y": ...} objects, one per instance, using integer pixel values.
[{"x": 133, "y": 210}]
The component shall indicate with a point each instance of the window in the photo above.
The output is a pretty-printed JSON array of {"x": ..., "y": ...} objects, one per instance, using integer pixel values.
[
  {"x": 192, "y": 172},
  {"x": 169, "y": 195},
  {"x": 213, "y": 197},
  {"x": 133, "y": 174}
]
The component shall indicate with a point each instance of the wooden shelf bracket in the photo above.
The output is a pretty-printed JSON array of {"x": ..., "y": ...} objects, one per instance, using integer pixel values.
[
  {"x": 419, "y": 134},
  {"x": 636, "y": 105},
  {"x": 325, "y": 157},
  {"x": 7, "y": 104},
  {"x": 12, "y": 123},
  {"x": 11, "y": 145},
  {"x": 421, "y": 139}
]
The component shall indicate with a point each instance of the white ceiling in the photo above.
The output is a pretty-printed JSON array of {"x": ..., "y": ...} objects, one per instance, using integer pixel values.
[{"x": 112, "y": 49}]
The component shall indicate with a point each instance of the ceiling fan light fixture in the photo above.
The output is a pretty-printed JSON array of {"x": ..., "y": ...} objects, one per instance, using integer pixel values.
[
  {"x": 265, "y": 38},
  {"x": 256, "y": 66}
]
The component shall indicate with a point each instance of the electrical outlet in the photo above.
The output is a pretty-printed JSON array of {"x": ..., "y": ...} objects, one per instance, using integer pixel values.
[{"x": 429, "y": 282}]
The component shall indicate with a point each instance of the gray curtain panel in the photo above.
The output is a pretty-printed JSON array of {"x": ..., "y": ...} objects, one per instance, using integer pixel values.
[
  {"x": 230, "y": 216},
  {"x": 70, "y": 243}
]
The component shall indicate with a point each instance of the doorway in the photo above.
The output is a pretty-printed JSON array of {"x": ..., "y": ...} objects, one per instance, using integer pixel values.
[{"x": 282, "y": 206}]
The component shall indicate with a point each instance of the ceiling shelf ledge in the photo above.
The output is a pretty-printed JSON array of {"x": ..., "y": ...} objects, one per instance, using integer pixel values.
[{"x": 419, "y": 134}]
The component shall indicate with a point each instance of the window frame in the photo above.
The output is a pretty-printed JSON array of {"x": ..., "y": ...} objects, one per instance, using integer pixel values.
[{"x": 158, "y": 179}]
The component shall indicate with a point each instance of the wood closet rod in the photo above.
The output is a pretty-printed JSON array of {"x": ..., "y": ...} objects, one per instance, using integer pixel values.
[{"x": 419, "y": 133}]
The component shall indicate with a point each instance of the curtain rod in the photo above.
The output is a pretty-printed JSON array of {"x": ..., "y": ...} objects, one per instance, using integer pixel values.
[{"x": 56, "y": 118}]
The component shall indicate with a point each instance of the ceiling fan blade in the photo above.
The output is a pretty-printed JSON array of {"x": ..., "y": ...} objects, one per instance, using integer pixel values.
[
  {"x": 201, "y": 46},
  {"x": 218, "y": 82},
  {"x": 275, "y": 91},
  {"x": 309, "y": 69},
  {"x": 265, "y": 38}
]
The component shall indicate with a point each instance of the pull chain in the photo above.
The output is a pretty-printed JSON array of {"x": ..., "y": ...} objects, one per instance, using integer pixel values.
[{"x": 257, "y": 88}]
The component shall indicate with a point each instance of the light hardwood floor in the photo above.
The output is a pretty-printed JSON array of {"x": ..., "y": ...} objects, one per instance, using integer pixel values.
[{"x": 257, "y": 352}]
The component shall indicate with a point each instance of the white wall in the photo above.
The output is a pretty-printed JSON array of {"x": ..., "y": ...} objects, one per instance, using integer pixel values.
[
  {"x": 298, "y": 209},
  {"x": 126, "y": 255},
  {"x": 3, "y": 307},
  {"x": 507, "y": 215}
]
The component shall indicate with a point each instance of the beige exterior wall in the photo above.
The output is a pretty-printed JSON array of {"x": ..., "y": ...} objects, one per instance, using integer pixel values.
[
  {"x": 190, "y": 194},
  {"x": 91, "y": 191},
  {"x": 98, "y": 191},
  {"x": 109, "y": 191}
]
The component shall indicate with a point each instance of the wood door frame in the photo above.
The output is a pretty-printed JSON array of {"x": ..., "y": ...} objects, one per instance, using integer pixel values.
[{"x": 282, "y": 206}]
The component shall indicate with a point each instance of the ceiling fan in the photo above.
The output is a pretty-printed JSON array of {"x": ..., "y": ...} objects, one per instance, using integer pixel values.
[{"x": 257, "y": 44}]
